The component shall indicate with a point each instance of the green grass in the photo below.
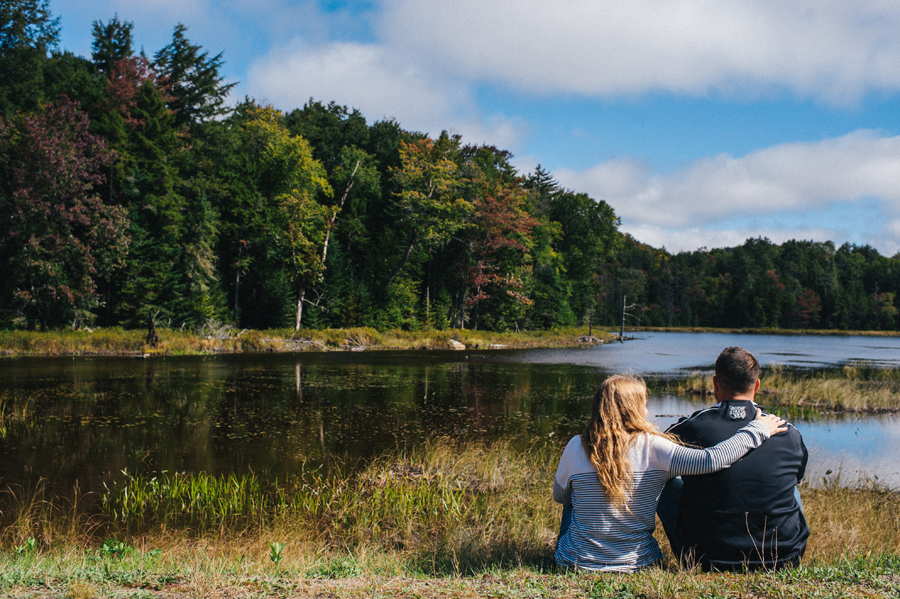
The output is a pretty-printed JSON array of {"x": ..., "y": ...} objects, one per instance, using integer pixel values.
[
  {"x": 87, "y": 574},
  {"x": 447, "y": 519}
]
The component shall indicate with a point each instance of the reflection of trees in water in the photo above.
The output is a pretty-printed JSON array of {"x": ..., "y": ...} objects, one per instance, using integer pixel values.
[
  {"x": 88, "y": 420},
  {"x": 277, "y": 415}
]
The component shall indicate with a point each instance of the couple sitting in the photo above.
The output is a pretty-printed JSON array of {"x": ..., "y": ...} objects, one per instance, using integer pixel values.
[{"x": 737, "y": 505}]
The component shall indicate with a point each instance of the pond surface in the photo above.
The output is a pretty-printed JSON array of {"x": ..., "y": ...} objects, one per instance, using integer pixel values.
[
  {"x": 671, "y": 354},
  {"x": 82, "y": 421}
]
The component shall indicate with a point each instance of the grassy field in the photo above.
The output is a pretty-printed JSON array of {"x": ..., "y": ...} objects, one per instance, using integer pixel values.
[
  {"x": 446, "y": 520},
  {"x": 227, "y": 339}
]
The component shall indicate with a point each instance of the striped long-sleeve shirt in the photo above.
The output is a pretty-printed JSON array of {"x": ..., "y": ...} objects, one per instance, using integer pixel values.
[{"x": 601, "y": 537}]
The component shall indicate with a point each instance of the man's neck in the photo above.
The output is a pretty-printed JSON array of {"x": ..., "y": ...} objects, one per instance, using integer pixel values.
[{"x": 743, "y": 397}]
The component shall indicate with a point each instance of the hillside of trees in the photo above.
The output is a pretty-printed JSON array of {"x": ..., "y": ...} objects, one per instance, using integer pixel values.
[{"x": 130, "y": 187}]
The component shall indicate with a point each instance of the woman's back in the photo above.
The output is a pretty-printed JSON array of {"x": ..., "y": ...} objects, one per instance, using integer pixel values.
[{"x": 600, "y": 536}]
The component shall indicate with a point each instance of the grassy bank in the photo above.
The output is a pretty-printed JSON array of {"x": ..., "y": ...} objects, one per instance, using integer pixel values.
[
  {"x": 227, "y": 339},
  {"x": 444, "y": 520},
  {"x": 854, "y": 388},
  {"x": 224, "y": 338}
]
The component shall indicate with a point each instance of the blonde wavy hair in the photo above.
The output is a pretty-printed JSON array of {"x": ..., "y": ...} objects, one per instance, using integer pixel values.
[{"x": 618, "y": 415}]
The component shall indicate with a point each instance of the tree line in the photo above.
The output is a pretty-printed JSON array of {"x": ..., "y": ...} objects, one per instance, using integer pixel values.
[{"x": 131, "y": 188}]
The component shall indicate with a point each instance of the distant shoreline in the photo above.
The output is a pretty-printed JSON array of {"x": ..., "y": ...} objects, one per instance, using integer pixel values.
[{"x": 225, "y": 339}]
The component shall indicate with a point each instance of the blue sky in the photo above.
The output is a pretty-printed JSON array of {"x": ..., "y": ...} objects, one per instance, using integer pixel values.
[{"x": 702, "y": 123}]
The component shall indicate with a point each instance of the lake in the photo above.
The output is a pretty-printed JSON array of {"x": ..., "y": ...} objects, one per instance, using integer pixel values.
[{"x": 82, "y": 421}]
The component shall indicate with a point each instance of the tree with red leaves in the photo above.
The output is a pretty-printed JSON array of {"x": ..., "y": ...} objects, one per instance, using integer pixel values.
[
  {"x": 61, "y": 238},
  {"x": 499, "y": 244}
]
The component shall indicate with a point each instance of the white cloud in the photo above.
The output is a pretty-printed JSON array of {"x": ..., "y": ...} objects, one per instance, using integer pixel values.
[
  {"x": 679, "y": 240},
  {"x": 364, "y": 76},
  {"x": 787, "y": 179},
  {"x": 886, "y": 240},
  {"x": 828, "y": 49},
  {"x": 381, "y": 85}
]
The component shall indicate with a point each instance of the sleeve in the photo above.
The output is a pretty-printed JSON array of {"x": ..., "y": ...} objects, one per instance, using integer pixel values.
[
  {"x": 690, "y": 461},
  {"x": 684, "y": 430},
  {"x": 561, "y": 495},
  {"x": 562, "y": 482}
]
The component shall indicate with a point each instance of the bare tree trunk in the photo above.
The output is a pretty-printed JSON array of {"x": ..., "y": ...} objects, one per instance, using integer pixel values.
[
  {"x": 300, "y": 307},
  {"x": 335, "y": 213},
  {"x": 404, "y": 261},
  {"x": 237, "y": 292}
]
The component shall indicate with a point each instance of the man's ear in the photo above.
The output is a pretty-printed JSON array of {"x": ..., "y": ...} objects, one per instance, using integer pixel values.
[
  {"x": 756, "y": 388},
  {"x": 716, "y": 387}
]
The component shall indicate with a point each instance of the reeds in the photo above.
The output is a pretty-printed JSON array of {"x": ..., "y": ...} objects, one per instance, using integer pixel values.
[
  {"x": 480, "y": 513},
  {"x": 858, "y": 387},
  {"x": 443, "y": 506}
]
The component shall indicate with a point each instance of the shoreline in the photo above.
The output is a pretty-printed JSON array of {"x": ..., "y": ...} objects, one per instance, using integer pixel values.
[
  {"x": 117, "y": 342},
  {"x": 133, "y": 343}
]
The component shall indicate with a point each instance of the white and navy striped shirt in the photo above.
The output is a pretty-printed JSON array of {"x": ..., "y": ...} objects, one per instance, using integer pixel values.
[{"x": 601, "y": 537}]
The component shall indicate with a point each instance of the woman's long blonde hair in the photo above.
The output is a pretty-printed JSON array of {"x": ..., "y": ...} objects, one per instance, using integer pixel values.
[{"x": 617, "y": 416}]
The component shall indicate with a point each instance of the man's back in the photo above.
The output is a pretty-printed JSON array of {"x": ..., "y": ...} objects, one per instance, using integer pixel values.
[{"x": 745, "y": 515}]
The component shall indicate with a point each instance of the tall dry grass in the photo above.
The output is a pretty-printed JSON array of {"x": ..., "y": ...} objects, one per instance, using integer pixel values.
[
  {"x": 851, "y": 522},
  {"x": 446, "y": 508},
  {"x": 853, "y": 388},
  {"x": 225, "y": 338}
]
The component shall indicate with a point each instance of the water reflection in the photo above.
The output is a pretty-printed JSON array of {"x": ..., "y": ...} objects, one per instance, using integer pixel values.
[{"x": 83, "y": 421}]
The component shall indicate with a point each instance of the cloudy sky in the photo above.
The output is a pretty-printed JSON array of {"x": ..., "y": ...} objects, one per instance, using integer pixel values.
[{"x": 701, "y": 122}]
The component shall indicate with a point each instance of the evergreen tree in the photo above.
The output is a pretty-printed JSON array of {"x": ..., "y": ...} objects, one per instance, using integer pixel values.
[
  {"x": 196, "y": 90},
  {"x": 112, "y": 43},
  {"x": 28, "y": 33}
]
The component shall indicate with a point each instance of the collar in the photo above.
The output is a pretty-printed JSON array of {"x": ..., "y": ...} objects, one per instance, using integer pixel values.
[{"x": 737, "y": 409}]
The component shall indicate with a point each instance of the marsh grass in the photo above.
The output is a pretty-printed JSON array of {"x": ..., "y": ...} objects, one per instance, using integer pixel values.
[
  {"x": 448, "y": 520},
  {"x": 13, "y": 412},
  {"x": 217, "y": 339},
  {"x": 860, "y": 521},
  {"x": 858, "y": 387},
  {"x": 446, "y": 509}
]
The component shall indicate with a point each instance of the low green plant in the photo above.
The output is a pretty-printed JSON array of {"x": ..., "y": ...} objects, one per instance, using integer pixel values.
[
  {"x": 112, "y": 548},
  {"x": 29, "y": 546},
  {"x": 275, "y": 550}
]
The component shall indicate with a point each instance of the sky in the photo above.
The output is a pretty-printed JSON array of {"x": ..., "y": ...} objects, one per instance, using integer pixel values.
[{"x": 702, "y": 123}]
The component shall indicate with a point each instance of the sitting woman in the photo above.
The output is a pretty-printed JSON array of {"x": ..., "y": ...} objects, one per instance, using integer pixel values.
[{"x": 609, "y": 479}]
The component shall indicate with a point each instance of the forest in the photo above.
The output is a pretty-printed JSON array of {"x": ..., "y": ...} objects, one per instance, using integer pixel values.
[{"x": 133, "y": 186}]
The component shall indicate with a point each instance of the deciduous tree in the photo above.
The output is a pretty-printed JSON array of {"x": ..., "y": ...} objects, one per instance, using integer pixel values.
[{"x": 61, "y": 237}]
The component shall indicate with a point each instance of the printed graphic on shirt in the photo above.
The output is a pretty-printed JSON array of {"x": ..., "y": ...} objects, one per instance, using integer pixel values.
[{"x": 737, "y": 412}]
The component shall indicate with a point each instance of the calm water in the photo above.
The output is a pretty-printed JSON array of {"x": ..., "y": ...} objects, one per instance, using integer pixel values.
[
  {"x": 683, "y": 353},
  {"x": 82, "y": 421}
]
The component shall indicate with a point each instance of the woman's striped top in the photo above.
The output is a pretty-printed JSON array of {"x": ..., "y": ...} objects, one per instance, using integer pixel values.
[{"x": 601, "y": 537}]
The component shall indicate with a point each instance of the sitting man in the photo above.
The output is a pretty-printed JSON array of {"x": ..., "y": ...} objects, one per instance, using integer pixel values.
[{"x": 748, "y": 515}]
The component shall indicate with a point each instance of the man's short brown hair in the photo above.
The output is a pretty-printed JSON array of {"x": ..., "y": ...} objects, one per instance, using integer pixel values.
[{"x": 737, "y": 370}]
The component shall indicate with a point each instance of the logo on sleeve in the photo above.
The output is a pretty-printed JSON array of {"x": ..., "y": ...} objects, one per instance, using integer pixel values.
[{"x": 737, "y": 412}]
